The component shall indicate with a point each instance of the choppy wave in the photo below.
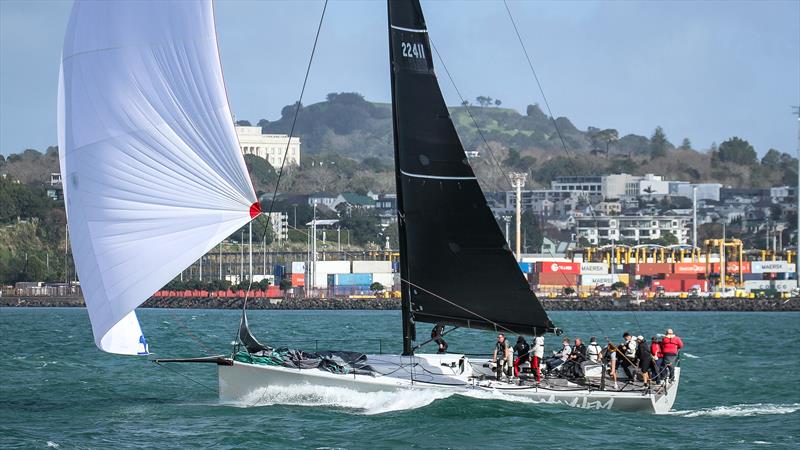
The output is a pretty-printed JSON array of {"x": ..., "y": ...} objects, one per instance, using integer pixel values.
[{"x": 757, "y": 409}]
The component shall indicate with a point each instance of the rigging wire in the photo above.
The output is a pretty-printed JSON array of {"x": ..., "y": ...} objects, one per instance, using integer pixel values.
[
  {"x": 538, "y": 83},
  {"x": 298, "y": 105},
  {"x": 469, "y": 112}
]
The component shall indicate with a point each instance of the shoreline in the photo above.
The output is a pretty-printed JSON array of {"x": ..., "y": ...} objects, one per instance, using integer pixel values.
[{"x": 588, "y": 304}]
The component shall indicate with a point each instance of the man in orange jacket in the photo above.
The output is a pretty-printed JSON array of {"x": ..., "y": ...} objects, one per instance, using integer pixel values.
[{"x": 670, "y": 345}]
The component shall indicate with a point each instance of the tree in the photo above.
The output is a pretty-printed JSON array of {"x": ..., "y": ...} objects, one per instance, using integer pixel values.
[
  {"x": 686, "y": 144},
  {"x": 376, "y": 287},
  {"x": 772, "y": 159},
  {"x": 465, "y": 103},
  {"x": 737, "y": 151},
  {"x": 659, "y": 143},
  {"x": 497, "y": 102},
  {"x": 243, "y": 123}
]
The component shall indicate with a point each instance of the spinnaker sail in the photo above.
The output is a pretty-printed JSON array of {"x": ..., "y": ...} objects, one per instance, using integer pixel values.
[
  {"x": 455, "y": 263},
  {"x": 152, "y": 172}
]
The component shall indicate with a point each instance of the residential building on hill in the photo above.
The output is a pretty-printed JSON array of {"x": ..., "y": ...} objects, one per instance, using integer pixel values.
[
  {"x": 599, "y": 230},
  {"x": 271, "y": 147}
]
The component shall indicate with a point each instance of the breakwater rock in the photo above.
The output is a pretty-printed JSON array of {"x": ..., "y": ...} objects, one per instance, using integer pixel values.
[{"x": 586, "y": 304}]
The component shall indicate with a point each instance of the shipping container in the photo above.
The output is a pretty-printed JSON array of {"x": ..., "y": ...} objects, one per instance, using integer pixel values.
[
  {"x": 683, "y": 276},
  {"x": 604, "y": 280},
  {"x": 769, "y": 266},
  {"x": 350, "y": 279},
  {"x": 372, "y": 267},
  {"x": 279, "y": 271},
  {"x": 555, "y": 279},
  {"x": 688, "y": 284},
  {"x": 558, "y": 267},
  {"x": 784, "y": 285},
  {"x": 332, "y": 266},
  {"x": 750, "y": 285},
  {"x": 594, "y": 268},
  {"x": 732, "y": 267},
  {"x": 297, "y": 267},
  {"x": 668, "y": 285},
  {"x": 298, "y": 279},
  {"x": 385, "y": 279},
  {"x": 690, "y": 268},
  {"x": 652, "y": 268},
  {"x": 526, "y": 267}
]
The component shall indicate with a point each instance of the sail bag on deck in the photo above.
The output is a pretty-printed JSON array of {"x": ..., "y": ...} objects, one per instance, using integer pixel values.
[
  {"x": 455, "y": 263},
  {"x": 152, "y": 172}
]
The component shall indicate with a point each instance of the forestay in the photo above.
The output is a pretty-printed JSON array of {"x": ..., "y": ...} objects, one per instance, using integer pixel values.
[{"x": 152, "y": 172}]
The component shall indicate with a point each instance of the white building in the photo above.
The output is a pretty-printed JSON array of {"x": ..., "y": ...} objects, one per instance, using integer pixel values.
[
  {"x": 271, "y": 147},
  {"x": 600, "y": 230},
  {"x": 280, "y": 225}
]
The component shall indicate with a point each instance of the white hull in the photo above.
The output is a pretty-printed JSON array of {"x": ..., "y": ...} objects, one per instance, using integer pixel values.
[{"x": 442, "y": 373}]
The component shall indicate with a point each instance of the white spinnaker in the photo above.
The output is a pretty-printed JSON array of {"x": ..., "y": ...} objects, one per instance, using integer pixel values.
[{"x": 152, "y": 173}]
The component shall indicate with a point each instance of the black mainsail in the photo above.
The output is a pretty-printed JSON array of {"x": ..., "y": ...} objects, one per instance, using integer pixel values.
[{"x": 454, "y": 261}]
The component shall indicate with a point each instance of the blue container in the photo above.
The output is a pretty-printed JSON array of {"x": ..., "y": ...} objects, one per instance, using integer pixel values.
[
  {"x": 350, "y": 279},
  {"x": 526, "y": 267},
  {"x": 752, "y": 276},
  {"x": 279, "y": 271}
]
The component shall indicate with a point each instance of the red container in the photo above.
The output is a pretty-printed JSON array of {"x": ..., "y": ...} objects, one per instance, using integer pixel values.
[
  {"x": 298, "y": 279},
  {"x": 556, "y": 279},
  {"x": 682, "y": 276},
  {"x": 558, "y": 267},
  {"x": 689, "y": 268},
  {"x": 650, "y": 269},
  {"x": 274, "y": 292},
  {"x": 688, "y": 285},
  {"x": 669, "y": 285},
  {"x": 732, "y": 267}
]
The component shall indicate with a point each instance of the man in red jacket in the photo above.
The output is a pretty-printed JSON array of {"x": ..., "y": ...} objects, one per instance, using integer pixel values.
[{"x": 670, "y": 345}]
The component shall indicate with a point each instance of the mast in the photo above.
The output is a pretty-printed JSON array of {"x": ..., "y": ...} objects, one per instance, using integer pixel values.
[{"x": 405, "y": 288}]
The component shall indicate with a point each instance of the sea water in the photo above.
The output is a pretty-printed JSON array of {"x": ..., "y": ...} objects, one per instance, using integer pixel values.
[{"x": 739, "y": 387}]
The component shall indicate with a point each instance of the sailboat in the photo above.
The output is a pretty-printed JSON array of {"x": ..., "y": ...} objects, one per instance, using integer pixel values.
[{"x": 152, "y": 172}]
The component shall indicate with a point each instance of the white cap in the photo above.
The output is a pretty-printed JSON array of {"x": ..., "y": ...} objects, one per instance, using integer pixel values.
[{"x": 640, "y": 338}]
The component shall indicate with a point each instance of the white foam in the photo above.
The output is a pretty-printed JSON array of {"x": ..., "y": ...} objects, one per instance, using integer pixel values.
[
  {"x": 367, "y": 403},
  {"x": 758, "y": 409},
  {"x": 51, "y": 444},
  {"x": 690, "y": 356}
]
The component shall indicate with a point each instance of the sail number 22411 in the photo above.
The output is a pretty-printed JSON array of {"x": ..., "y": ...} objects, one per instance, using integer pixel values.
[{"x": 415, "y": 50}]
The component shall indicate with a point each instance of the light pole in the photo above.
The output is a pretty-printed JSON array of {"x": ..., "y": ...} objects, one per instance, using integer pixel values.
[{"x": 519, "y": 182}]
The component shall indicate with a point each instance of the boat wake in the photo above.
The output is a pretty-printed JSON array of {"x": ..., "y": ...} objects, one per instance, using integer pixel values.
[
  {"x": 366, "y": 403},
  {"x": 690, "y": 356},
  {"x": 758, "y": 409},
  {"x": 370, "y": 403}
]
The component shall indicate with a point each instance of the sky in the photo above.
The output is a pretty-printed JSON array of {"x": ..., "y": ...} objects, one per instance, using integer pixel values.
[{"x": 706, "y": 70}]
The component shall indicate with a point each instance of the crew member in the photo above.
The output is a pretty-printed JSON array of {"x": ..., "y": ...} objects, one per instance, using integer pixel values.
[
  {"x": 502, "y": 356},
  {"x": 628, "y": 355},
  {"x": 656, "y": 366},
  {"x": 560, "y": 357},
  {"x": 523, "y": 351},
  {"x": 578, "y": 351},
  {"x": 644, "y": 358},
  {"x": 593, "y": 351},
  {"x": 436, "y": 335},
  {"x": 670, "y": 346},
  {"x": 538, "y": 354}
]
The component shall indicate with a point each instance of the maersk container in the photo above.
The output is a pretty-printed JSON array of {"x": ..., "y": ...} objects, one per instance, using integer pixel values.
[{"x": 349, "y": 279}]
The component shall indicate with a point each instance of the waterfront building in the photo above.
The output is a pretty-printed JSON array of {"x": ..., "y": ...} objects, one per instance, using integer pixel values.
[
  {"x": 271, "y": 147},
  {"x": 599, "y": 230}
]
